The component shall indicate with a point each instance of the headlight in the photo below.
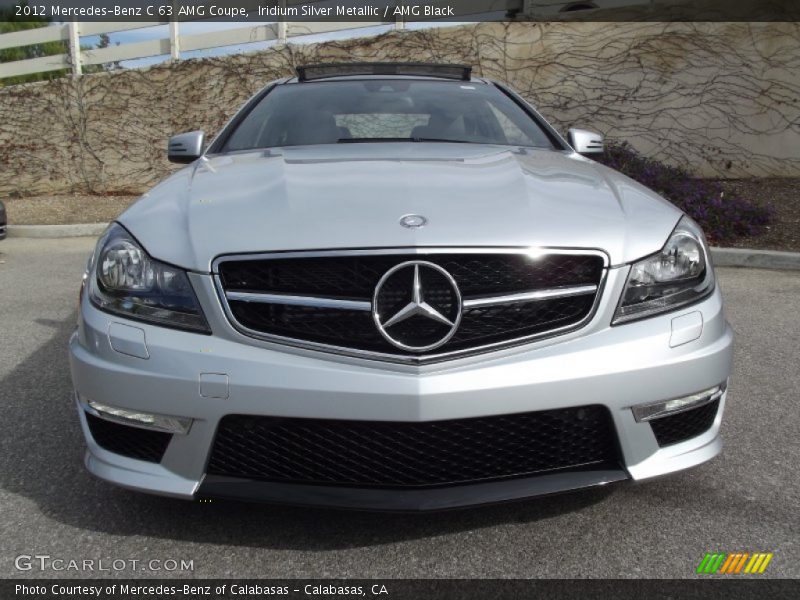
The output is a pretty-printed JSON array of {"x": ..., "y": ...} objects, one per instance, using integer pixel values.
[
  {"x": 124, "y": 280},
  {"x": 681, "y": 273}
]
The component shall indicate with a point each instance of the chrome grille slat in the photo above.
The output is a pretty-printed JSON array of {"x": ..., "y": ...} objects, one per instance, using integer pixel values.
[
  {"x": 547, "y": 294},
  {"x": 323, "y": 299},
  {"x": 299, "y": 300},
  {"x": 314, "y": 301}
]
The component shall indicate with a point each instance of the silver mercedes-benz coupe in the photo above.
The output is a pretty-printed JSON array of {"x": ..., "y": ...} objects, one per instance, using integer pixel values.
[{"x": 396, "y": 287}]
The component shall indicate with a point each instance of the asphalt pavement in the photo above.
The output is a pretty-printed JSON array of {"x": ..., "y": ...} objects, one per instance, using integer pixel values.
[{"x": 747, "y": 499}]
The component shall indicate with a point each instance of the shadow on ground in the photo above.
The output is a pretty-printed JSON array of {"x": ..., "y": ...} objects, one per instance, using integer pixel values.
[{"x": 42, "y": 459}]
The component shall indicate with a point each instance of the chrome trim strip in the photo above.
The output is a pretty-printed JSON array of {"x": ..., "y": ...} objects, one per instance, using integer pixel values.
[
  {"x": 533, "y": 251},
  {"x": 314, "y": 301},
  {"x": 563, "y": 292},
  {"x": 406, "y": 358},
  {"x": 362, "y": 305}
]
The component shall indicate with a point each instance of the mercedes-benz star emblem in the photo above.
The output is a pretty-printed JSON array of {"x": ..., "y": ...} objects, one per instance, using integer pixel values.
[
  {"x": 417, "y": 306},
  {"x": 413, "y": 221}
]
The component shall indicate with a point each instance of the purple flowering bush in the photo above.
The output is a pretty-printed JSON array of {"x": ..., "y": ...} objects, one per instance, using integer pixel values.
[{"x": 723, "y": 217}]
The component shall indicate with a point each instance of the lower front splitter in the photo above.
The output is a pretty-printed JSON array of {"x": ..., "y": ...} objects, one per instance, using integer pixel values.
[{"x": 406, "y": 499}]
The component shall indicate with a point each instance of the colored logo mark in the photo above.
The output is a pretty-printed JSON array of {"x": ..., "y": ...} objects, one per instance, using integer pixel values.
[{"x": 734, "y": 563}]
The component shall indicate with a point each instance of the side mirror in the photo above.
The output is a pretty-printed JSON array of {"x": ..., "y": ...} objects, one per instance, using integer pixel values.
[
  {"x": 185, "y": 147},
  {"x": 585, "y": 142}
]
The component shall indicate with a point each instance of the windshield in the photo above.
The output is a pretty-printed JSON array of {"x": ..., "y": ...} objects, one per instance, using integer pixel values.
[{"x": 385, "y": 110}]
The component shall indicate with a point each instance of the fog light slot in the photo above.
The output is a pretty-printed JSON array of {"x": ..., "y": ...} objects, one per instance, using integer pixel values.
[
  {"x": 665, "y": 408},
  {"x": 134, "y": 418}
]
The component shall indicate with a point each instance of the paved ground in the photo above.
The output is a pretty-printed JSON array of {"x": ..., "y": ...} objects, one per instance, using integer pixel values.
[{"x": 747, "y": 499}]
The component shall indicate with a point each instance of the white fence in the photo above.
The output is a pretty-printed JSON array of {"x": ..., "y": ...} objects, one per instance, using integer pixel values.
[
  {"x": 76, "y": 58},
  {"x": 280, "y": 32},
  {"x": 173, "y": 45}
]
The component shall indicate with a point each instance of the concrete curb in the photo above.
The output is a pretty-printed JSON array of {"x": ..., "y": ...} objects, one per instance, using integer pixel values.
[
  {"x": 755, "y": 259},
  {"x": 57, "y": 231},
  {"x": 723, "y": 257}
]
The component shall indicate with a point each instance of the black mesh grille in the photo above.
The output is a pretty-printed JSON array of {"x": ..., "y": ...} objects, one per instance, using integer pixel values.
[
  {"x": 505, "y": 321},
  {"x": 390, "y": 454},
  {"x": 313, "y": 324},
  {"x": 355, "y": 278},
  {"x": 133, "y": 442},
  {"x": 684, "y": 425}
]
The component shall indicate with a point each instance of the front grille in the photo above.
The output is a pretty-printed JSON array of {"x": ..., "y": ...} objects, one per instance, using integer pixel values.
[
  {"x": 133, "y": 442},
  {"x": 355, "y": 277},
  {"x": 685, "y": 425},
  {"x": 400, "y": 454}
]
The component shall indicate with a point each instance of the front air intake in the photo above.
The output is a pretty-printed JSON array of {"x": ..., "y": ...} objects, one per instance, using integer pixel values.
[{"x": 410, "y": 454}]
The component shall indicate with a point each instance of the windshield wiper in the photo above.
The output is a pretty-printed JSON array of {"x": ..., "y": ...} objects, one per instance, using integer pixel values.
[
  {"x": 400, "y": 139},
  {"x": 365, "y": 140},
  {"x": 427, "y": 139}
]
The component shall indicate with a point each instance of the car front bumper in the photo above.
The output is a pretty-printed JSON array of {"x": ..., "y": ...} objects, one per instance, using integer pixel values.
[{"x": 617, "y": 367}]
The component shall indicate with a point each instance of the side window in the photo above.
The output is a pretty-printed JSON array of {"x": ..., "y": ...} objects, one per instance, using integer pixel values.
[
  {"x": 249, "y": 132},
  {"x": 513, "y": 134}
]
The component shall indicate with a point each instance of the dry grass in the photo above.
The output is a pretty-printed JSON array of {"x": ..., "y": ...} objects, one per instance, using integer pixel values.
[
  {"x": 783, "y": 195},
  {"x": 62, "y": 210}
]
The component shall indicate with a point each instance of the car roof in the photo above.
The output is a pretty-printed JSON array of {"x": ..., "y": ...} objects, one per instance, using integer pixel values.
[
  {"x": 384, "y": 77},
  {"x": 383, "y": 70}
]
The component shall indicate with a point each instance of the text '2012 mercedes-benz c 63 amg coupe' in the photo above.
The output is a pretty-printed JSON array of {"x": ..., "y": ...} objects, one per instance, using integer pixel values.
[{"x": 396, "y": 287}]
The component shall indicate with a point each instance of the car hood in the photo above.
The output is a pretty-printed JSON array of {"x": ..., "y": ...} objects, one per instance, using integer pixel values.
[{"x": 353, "y": 196}]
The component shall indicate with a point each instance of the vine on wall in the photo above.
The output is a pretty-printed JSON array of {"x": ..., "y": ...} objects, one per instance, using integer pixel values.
[{"x": 722, "y": 99}]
